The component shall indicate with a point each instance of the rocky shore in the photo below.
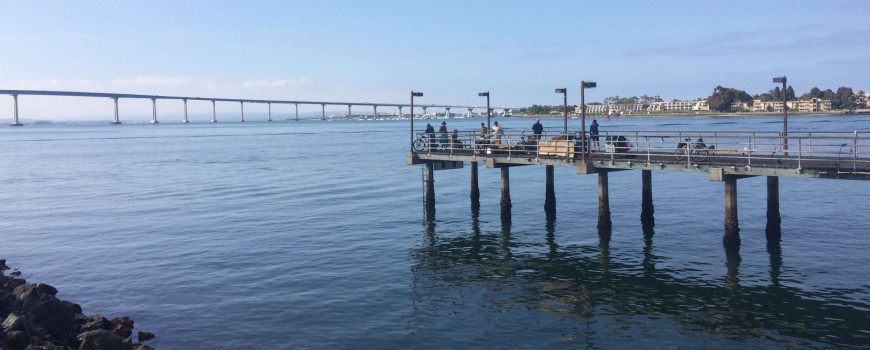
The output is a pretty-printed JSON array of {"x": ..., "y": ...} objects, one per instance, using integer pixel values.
[{"x": 34, "y": 319}]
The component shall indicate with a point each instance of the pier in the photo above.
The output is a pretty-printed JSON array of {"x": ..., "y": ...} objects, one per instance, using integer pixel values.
[
  {"x": 723, "y": 157},
  {"x": 154, "y": 98}
]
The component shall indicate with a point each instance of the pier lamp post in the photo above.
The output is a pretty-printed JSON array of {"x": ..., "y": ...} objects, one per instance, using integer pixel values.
[
  {"x": 564, "y": 92},
  {"x": 583, "y": 86},
  {"x": 481, "y": 94},
  {"x": 413, "y": 94},
  {"x": 783, "y": 80}
]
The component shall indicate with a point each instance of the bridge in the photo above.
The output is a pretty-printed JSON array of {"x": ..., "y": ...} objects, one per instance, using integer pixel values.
[
  {"x": 214, "y": 100},
  {"x": 722, "y": 156}
]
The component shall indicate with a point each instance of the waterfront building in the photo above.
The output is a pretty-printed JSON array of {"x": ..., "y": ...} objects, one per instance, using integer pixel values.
[{"x": 810, "y": 106}]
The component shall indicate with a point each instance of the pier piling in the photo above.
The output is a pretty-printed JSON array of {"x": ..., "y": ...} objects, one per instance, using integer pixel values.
[
  {"x": 647, "y": 210},
  {"x": 243, "y": 112},
  {"x": 550, "y": 201},
  {"x": 773, "y": 231},
  {"x": 213, "y": 112},
  {"x": 505, "y": 193},
  {"x": 604, "y": 223},
  {"x": 731, "y": 238},
  {"x": 475, "y": 190},
  {"x": 430, "y": 187}
]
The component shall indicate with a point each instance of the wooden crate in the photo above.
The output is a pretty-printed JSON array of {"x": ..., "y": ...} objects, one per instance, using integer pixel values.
[{"x": 558, "y": 148}]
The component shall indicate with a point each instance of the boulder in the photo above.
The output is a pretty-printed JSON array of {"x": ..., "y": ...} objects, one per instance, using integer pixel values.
[
  {"x": 145, "y": 336},
  {"x": 13, "y": 323},
  {"x": 17, "y": 340},
  {"x": 141, "y": 347},
  {"x": 25, "y": 291},
  {"x": 95, "y": 322},
  {"x": 55, "y": 317},
  {"x": 122, "y": 326},
  {"x": 100, "y": 340},
  {"x": 75, "y": 307},
  {"x": 47, "y": 289}
]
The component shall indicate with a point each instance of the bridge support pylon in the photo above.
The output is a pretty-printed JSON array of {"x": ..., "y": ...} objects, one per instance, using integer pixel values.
[
  {"x": 550, "y": 199},
  {"x": 185, "y": 121},
  {"x": 154, "y": 111},
  {"x": 15, "y": 111},
  {"x": 731, "y": 239},
  {"x": 604, "y": 223},
  {"x": 115, "y": 120},
  {"x": 213, "y": 112},
  {"x": 505, "y": 193},
  {"x": 773, "y": 231}
]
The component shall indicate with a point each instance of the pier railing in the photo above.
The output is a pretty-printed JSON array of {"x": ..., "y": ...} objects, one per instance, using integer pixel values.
[{"x": 849, "y": 150}]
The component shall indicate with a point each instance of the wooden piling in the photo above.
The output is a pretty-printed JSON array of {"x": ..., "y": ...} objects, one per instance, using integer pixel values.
[
  {"x": 475, "y": 191},
  {"x": 604, "y": 223},
  {"x": 505, "y": 193},
  {"x": 732, "y": 229},
  {"x": 647, "y": 210},
  {"x": 550, "y": 201},
  {"x": 430, "y": 187},
  {"x": 773, "y": 230}
]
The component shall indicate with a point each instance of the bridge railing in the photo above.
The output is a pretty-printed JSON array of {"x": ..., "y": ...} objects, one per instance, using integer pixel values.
[{"x": 847, "y": 149}]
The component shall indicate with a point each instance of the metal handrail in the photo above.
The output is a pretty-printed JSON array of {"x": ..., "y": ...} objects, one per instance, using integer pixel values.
[{"x": 721, "y": 146}]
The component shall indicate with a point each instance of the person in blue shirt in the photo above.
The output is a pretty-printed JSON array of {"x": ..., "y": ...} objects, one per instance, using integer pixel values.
[{"x": 593, "y": 133}]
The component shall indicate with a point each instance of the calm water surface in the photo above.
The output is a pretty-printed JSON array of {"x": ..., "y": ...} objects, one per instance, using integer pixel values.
[{"x": 312, "y": 235}]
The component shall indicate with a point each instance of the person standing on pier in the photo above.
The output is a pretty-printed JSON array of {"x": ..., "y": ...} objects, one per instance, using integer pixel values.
[
  {"x": 593, "y": 133},
  {"x": 483, "y": 131},
  {"x": 537, "y": 129},
  {"x": 497, "y": 133},
  {"x": 430, "y": 134},
  {"x": 443, "y": 131}
]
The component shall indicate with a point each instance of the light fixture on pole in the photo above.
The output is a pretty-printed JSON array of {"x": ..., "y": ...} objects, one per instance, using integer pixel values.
[
  {"x": 583, "y": 86},
  {"x": 564, "y": 92},
  {"x": 487, "y": 107},
  {"x": 417, "y": 94},
  {"x": 783, "y": 80}
]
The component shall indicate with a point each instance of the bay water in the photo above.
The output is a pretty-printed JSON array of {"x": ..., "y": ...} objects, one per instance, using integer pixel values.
[{"x": 312, "y": 235}]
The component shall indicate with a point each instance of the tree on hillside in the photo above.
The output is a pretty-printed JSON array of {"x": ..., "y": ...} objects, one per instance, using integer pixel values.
[
  {"x": 845, "y": 98},
  {"x": 789, "y": 94},
  {"x": 722, "y": 98}
]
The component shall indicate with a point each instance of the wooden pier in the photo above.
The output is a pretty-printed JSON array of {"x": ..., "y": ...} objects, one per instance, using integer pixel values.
[{"x": 722, "y": 156}]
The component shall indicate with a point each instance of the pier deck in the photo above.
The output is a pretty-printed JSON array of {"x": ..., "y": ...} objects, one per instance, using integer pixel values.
[{"x": 723, "y": 156}]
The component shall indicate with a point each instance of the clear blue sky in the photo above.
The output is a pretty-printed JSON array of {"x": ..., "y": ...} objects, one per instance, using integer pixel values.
[{"x": 377, "y": 51}]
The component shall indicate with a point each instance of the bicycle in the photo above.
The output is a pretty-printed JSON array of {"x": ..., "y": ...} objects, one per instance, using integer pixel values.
[{"x": 697, "y": 151}]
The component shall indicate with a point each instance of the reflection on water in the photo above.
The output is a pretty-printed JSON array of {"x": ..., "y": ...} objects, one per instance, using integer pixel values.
[{"x": 587, "y": 295}]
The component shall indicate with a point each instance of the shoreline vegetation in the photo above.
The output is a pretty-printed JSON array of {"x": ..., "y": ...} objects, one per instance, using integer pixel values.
[{"x": 34, "y": 319}]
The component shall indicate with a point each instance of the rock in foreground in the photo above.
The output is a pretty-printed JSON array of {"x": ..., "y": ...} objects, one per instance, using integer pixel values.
[{"x": 33, "y": 318}]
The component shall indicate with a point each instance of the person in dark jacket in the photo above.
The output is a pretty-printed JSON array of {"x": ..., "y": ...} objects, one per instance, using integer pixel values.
[
  {"x": 443, "y": 131},
  {"x": 537, "y": 129},
  {"x": 430, "y": 134},
  {"x": 593, "y": 133}
]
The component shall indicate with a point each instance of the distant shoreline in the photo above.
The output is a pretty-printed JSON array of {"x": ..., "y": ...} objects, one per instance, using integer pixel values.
[{"x": 688, "y": 115}]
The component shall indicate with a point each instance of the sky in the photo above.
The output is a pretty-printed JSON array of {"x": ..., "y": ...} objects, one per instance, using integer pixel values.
[{"x": 378, "y": 51}]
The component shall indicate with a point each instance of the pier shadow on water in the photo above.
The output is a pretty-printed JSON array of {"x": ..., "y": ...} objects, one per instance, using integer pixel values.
[{"x": 544, "y": 294}]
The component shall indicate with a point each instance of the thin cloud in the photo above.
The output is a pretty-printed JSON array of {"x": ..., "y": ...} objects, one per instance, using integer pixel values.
[
  {"x": 757, "y": 41},
  {"x": 273, "y": 83},
  {"x": 137, "y": 82}
]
